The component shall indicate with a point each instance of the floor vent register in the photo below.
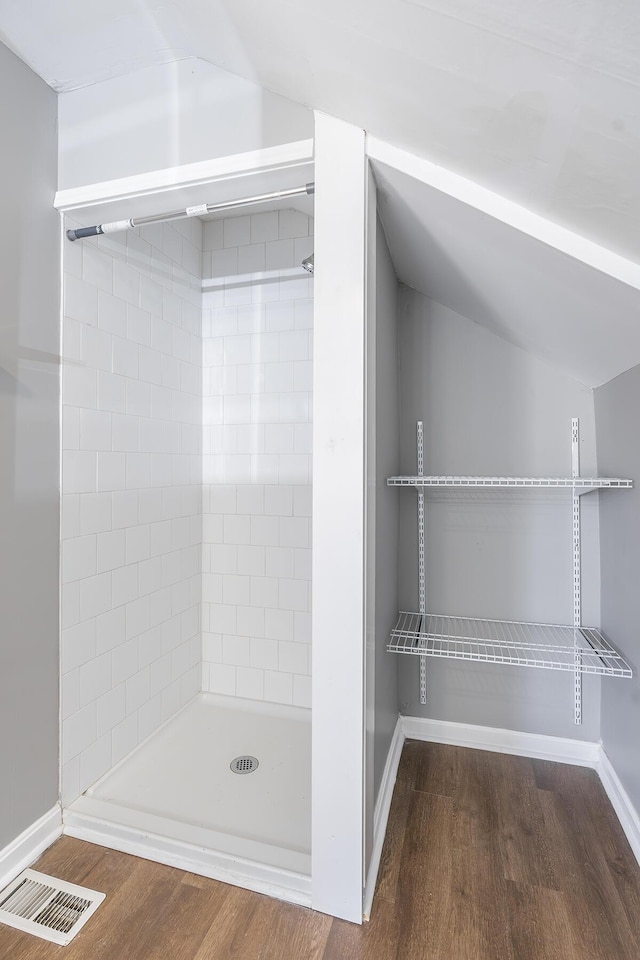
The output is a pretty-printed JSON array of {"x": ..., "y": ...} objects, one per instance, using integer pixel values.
[{"x": 47, "y": 907}]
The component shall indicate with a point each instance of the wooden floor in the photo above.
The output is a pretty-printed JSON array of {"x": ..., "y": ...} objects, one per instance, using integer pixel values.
[{"x": 488, "y": 857}]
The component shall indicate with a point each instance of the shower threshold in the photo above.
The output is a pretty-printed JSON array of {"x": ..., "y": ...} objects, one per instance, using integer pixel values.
[{"x": 176, "y": 800}]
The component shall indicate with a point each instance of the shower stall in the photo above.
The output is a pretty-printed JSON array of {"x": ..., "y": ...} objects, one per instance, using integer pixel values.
[{"x": 186, "y": 540}]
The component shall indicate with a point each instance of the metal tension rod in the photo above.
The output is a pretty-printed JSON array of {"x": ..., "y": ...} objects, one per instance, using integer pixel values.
[{"x": 198, "y": 211}]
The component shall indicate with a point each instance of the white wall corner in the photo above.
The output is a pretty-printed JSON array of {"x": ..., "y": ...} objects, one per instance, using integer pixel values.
[
  {"x": 621, "y": 803},
  {"x": 381, "y": 814},
  {"x": 29, "y": 845}
]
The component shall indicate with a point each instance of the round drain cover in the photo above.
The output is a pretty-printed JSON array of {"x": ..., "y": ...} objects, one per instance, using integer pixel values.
[{"x": 244, "y": 765}]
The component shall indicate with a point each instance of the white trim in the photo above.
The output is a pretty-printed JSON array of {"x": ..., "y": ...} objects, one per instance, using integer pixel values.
[
  {"x": 271, "y": 881},
  {"x": 500, "y": 208},
  {"x": 29, "y": 845},
  {"x": 381, "y": 814},
  {"x": 187, "y": 175},
  {"x": 583, "y": 753},
  {"x": 621, "y": 803}
]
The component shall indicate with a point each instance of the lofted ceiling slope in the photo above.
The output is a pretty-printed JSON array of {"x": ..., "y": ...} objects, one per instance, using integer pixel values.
[{"x": 540, "y": 101}]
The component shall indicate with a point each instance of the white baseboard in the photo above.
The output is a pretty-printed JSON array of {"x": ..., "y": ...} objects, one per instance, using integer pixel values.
[
  {"x": 381, "y": 814},
  {"x": 273, "y": 881},
  {"x": 26, "y": 848},
  {"x": 619, "y": 798},
  {"x": 584, "y": 753}
]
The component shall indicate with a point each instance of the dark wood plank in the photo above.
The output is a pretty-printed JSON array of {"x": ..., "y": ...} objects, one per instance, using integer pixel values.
[
  {"x": 377, "y": 940},
  {"x": 487, "y": 857},
  {"x": 425, "y": 882}
]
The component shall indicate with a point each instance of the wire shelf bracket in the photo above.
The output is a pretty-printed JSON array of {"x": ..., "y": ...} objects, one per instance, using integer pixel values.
[{"x": 576, "y": 648}]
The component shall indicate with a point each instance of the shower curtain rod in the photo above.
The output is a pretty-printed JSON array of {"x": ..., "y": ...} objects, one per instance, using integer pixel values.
[{"x": 198, "y": 211}]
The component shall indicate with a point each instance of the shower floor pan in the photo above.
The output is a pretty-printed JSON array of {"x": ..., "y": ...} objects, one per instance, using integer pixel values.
[{"x": 176, "y": 800}]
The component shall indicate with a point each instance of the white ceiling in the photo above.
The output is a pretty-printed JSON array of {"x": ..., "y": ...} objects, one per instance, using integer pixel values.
[{"x": 537, "y": 101}]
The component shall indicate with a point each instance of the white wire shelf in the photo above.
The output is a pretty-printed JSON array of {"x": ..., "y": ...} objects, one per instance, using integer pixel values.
[
  {"x": 580, "y": 484},
  {"x": 545, "y": 645}
]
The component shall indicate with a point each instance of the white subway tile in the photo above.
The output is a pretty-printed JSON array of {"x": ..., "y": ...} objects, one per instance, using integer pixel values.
[
  {"x": 126, "y": 283},
  {"x": 79, "y": 558},
  {"x": 264, "y": 592},
  {"x": 224, "y": 263},
  {"x": 70, "y": 693},
  {"x": 71, "y": 516},
  {"x": 110, "y": 628},
  {"x": 280, "y": 562},
  {"x": 124, "y": 585},
  {"x": 252, "y": 258},
  {"x": 222, "y": 618},
  {"x": 137, "y": 543},
  {"x": 292, "y": 223},
  {"x": 302, "y": 500},
  {"x": 293, "y": 657},
  {"x": 264, "y": 653},
  {"x": 279, "y": 315},
  {"x": 212, "y": 647},
  {"x": 70, "y": 604},
  {"x": 237, "y": 529},
  {"x": 278, "y": 624},
  {"x": 250, "y": 561},
  {"x": 280, "y": 254},
  {"x": 95, "y": 430},
  {"x": 110, "y": 550},
  {"x": 264, "y": 226},
  {"x": 79, "y": 386},
  {"x": 222, "y": 679},
  {"x": 124, "y": 661},
  {"x": 294, "y": 532},
  {"x": 293, "y": 594},
  {"x": 124, "y": 357},
  {"x": 237, "y": 231},
  {"x": 264, "y": 531},
  {"x": 224, "y": 558},
  {"x": 212, "y": 234},
  {"x": 96, "y": 348},
  {"x": 124, "y": 506},
  {"x": 302, "y": 691},
  {"x": 149, "y": 717},
  {"x": 250, "y": 621},
  {"x": 124, "y": 433},
  {"x": 124, "y": 737},
  {"x": 278, "y": 687},
  {"x": 302, "y": 626},
  {"x": 249, "y": 683},
  {"x": 78, "y": 732},
  {"x": 137, "y": 690},
  {"x": 110, "y": 709},
  {"x": 112, "y": 314},
  {"x": 78, "y": 645},
  {"x": 111, "y": 392},
  {"x": 303, "y": 314},
  {"x": 294, "y": 468},
  {"x": 94, "y": 679},
  {"x": 235, "y": 589},
  {"x": 80, "y": 300},
  {"x": 95, "y": 595},
  {"x": 111, "y": 472},
  {"x": 236, "y": 650},
  {"x": 149, "y": 576}
]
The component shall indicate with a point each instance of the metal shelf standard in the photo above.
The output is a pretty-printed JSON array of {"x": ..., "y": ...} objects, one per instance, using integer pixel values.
[{"x": 547, "y": 646}]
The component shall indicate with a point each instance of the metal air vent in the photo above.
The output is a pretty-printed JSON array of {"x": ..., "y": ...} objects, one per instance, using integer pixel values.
[{"x": 47, "y": 907}]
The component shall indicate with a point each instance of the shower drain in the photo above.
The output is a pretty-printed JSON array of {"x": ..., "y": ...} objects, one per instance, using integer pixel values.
[{"x": 244, "y": 765}]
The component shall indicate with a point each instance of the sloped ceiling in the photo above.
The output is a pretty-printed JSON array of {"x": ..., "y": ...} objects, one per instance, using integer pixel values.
[
  {"x": 581, "y": 320},
  {"x": 537, "y": 101}
]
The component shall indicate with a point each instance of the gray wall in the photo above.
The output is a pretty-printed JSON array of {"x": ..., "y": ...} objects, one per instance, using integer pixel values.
[
  {"x": 617, "y": 404},
  {"x": 489, "y": 408},
  {"x": 29, "y": 433},
  {"x": 387, "y": 704}
]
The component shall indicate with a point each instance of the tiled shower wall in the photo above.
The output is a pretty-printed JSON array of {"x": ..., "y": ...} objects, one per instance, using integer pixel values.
[
  {"x": 257, "y": 382},
  {"x": 131, "y": 484}
]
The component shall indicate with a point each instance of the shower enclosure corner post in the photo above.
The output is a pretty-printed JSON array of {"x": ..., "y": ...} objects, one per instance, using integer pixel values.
[{"x": 338, "y": 776}]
